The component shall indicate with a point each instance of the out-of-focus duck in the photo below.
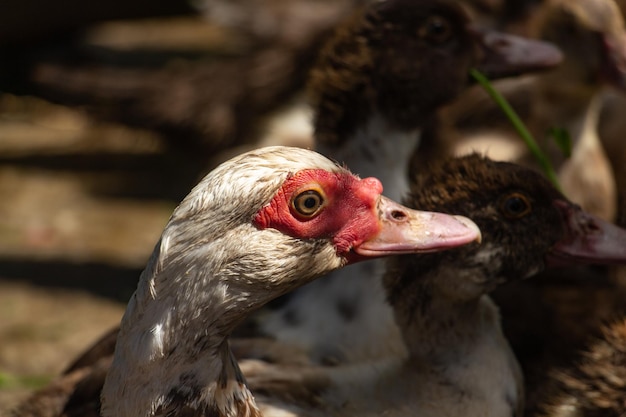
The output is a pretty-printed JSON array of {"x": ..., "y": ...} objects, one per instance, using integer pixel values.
[
  {"x": 254, "y": 228},
  {"x": 592, "y": 37},
  {"x": 596, "y": 386},
  {"x": 376, "y": 82},
  {"x": 459, "y": 362},
  {"x": 591, "y": 33}
]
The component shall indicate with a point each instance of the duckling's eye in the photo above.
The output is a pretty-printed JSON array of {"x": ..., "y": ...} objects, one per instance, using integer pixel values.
[
  {"x": 436, "y": 29},
  {"x": 308, "y": 203},
  {"x": 515, "y": 206}
]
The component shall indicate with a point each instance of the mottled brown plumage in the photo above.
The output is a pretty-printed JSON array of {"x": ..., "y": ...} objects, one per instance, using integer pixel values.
[
  {"x": 596, "y": 386},
  {"x": 524, "y": 227}
]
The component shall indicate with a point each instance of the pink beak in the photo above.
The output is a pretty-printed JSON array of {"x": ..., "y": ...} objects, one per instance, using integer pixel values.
[
  {"x": 614, "y": 65},
  {"x": 588, "y": 239},
  {"x": 404, "y": 231},
  {"x": 505, "y": 55}
]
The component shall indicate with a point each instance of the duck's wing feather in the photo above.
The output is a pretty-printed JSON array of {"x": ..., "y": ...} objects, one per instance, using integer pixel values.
[
  {"x": 74, "y": 394},
  {"x": 102, "y": 348}
]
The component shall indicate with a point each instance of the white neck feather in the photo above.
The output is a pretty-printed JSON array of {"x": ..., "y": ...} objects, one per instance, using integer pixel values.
[
  {"x": 172, "y": 349},
  {"x": 459, "y": 363},
  {"x": 381, "y": 151}
]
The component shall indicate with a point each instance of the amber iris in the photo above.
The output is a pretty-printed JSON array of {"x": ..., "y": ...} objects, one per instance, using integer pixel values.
[
  {"x": 308, "y": 203},
  {"x": 515, "y": 206},
  {"x": 436, "y": 29}
]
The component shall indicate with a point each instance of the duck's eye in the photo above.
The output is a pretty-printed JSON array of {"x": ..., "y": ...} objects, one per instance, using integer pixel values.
[
  {"x": 515, "y": 206},
  {"x": 308, "y": 203},
  {"x": 436, "y": 29}
]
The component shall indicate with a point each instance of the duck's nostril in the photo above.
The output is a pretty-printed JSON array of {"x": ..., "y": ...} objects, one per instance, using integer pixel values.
[{"x": 398, "y": 215}]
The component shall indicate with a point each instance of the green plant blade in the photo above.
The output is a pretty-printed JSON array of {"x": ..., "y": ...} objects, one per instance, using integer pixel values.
[{"x": 519, "y": 126}]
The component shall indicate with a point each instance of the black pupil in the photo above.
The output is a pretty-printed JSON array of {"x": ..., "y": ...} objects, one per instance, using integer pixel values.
[
  {"x": 437, "y": 28},
  {"x": 516, "y": 205},
  {"x": 310, "y": 202}
]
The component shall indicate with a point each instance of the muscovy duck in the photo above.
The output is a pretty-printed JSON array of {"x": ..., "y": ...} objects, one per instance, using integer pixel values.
[{"x": 257, "y": 226}]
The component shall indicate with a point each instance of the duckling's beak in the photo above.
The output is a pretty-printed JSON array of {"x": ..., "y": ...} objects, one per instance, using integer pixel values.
[
  {"x": 506, "y": 55},
  {"x": 403, "y": 230},
  {"x": 614, "y": 59},
  {"x": 587, "y": 239}
]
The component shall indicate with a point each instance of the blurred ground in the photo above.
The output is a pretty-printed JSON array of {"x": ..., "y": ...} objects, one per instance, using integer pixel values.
[{"x": 81, "y": 205}]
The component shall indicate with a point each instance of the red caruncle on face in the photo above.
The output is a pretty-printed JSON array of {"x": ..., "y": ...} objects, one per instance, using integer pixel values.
[{"x": 317, "y": 204}]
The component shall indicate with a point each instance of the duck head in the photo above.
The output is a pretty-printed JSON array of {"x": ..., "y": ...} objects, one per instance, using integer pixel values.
[
  {"x": 526, "y": 224},
  {"x": 402, "y": 59}
]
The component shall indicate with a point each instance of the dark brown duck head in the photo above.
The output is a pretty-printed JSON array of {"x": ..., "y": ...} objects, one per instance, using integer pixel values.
[
  {"x": 526, "y": 225},
  {"x": 401, "y": 59}
]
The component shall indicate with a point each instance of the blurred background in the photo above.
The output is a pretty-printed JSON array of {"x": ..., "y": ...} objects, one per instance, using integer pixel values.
[{"x": 110, "y": 112}]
